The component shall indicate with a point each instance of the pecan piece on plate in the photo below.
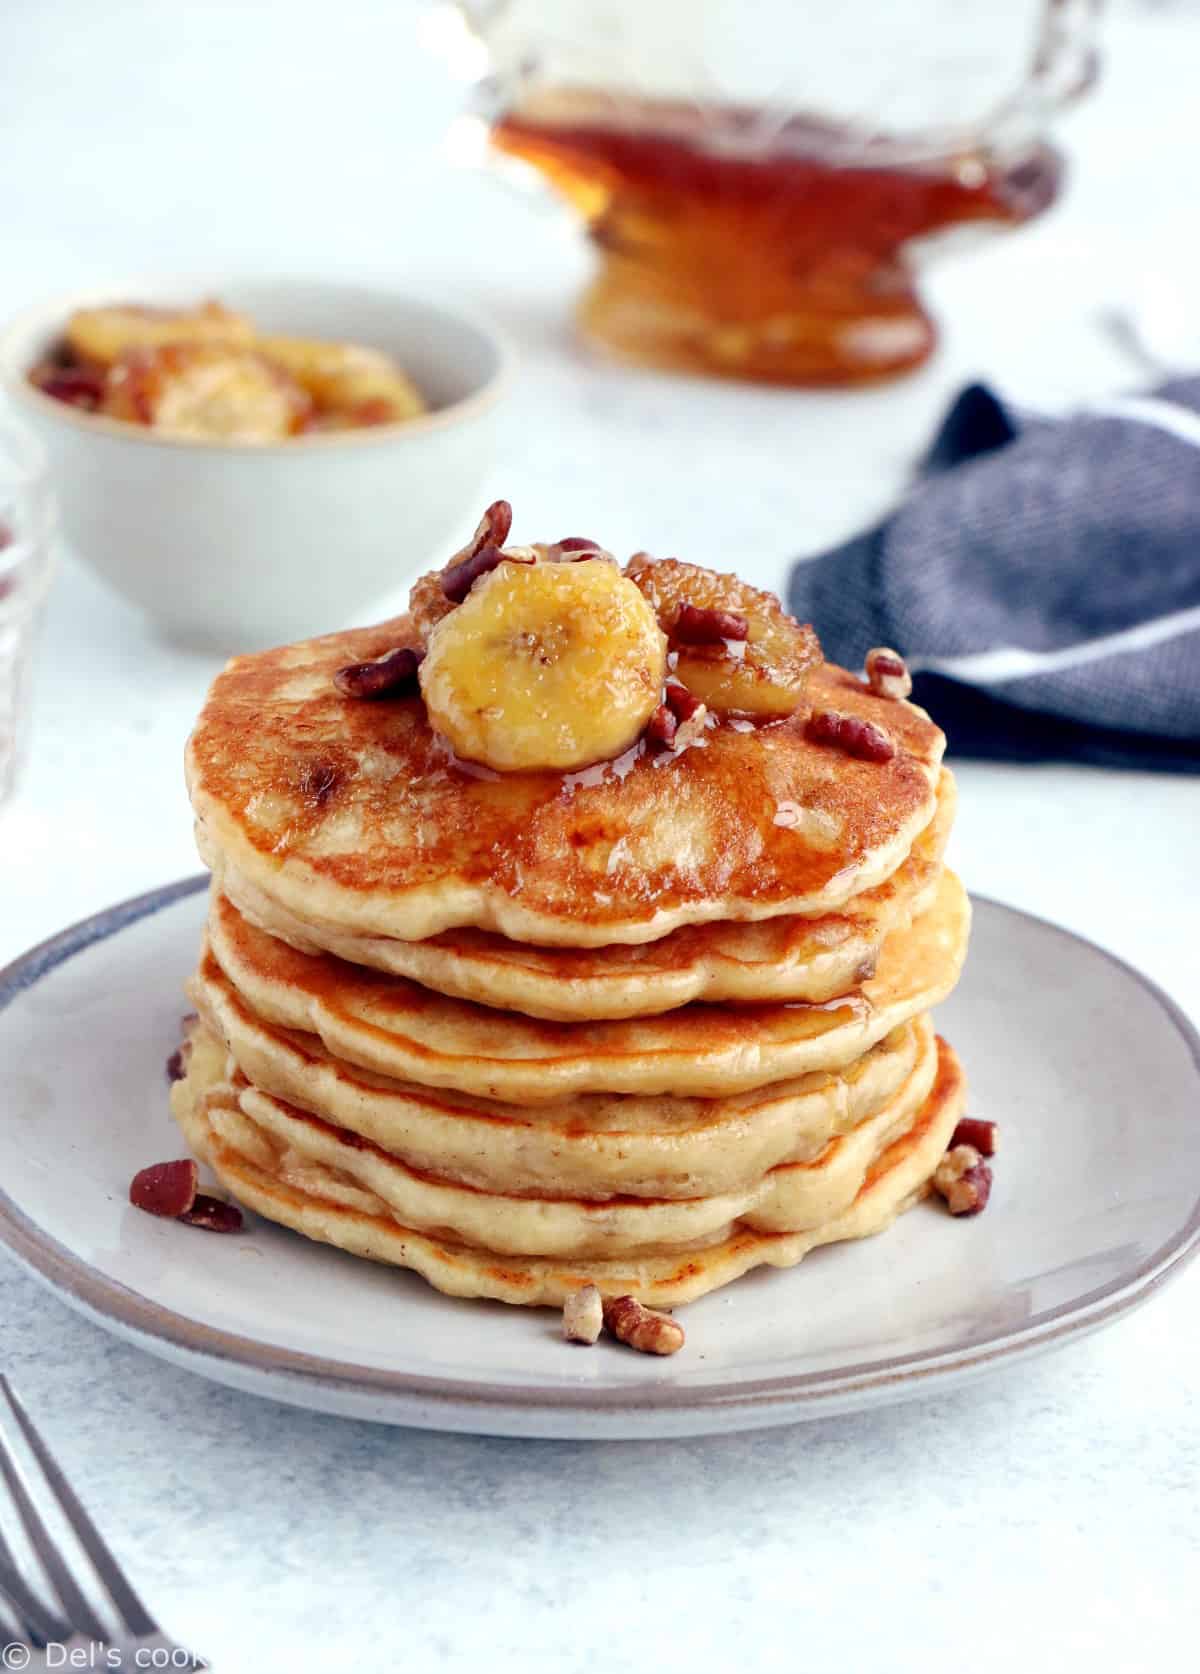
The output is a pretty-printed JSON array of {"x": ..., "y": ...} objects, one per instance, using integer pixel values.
[
  {"x": 582, "y": 1315},
  {"x": 213, "y": 1214},
  {"x": 642, "y": 1328},
  {"x": 973, "y": 1131},
  {"x": 964, "y": 1180},
  {"x": 167, "y": 1188}
]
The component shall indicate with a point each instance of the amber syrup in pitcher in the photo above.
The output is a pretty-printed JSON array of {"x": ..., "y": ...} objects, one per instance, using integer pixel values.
[{"x": 778, "y": 260}]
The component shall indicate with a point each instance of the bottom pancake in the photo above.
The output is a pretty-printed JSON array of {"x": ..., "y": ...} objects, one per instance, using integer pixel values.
[{"x": 324, "y": 1204}]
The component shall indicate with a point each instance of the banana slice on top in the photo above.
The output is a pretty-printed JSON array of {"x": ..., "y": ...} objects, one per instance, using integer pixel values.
[
  {"x": 101, "y": 335},
  {"x": 735, "y": 647},
  {"x": 545, "y": 666}
]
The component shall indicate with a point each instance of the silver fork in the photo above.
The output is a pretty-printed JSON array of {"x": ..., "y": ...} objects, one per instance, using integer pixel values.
[{"x": 28, "y": 1624}]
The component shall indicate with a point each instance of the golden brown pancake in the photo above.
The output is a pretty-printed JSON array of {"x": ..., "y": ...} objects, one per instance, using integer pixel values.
[
  {"x": 323, "y": 1203},
  {"x": 790, "y": 1198},
  {"x": 790, "y": 958},
  {"x": 595, "y": 1146},
  {"x": 352, "y": 816},
  {"x": 398, "y": 1029}
]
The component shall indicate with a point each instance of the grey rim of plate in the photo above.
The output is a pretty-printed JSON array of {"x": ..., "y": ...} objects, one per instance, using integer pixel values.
[{"x": 430, "y": 1402}]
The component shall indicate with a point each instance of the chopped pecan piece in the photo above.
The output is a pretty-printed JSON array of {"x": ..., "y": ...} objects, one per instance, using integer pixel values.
[
  {"x": 964, "y": 1180},
  {"x": 851, "y": 734},
  {"x": 661, "y": 728},
  {"x": 429, "y": 602},
  {"x": 392, "y": 675},
  {"x": 887, "y": 673},
  {"x": 694, "y": 626},
  {"x": 973, "y": 1131},
  {"x": 680, "y": 701},
  {"x": 644, "y": 1329},
  {"x": 687, "y": 732},
  {"x": 582, "y": 1315},
  {"x": 213, "y": 1214},
  {"x": 465, "y": 568},
  {"x": 459, "y": 579},
  {"x": 690, "y": 714},
  {"x": 167, "y": 1189},
  {"x": 493, "y": 529}
]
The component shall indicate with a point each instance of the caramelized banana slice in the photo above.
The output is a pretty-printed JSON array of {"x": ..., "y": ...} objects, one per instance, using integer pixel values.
[
  {"x": 205, "y": 391},
  {"x": 736, "y": 646},
  {"x": 545, "y": 665},
  {"x": 101, "y": 335},
  {"x": 350, "y": 385}
]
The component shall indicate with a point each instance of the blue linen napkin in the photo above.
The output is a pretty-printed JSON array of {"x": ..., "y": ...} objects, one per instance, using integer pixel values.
[{"x": 1042, "y": 579}]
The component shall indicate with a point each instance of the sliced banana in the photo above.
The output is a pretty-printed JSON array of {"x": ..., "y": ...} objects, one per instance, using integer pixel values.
[
  {"x": 104, "y": 334},
  {"x": 205, "y": 392},
  {"x": 545, "y": 666},
  {"x": 763, "y": 673},
  {"x": 350, "y": 385}
]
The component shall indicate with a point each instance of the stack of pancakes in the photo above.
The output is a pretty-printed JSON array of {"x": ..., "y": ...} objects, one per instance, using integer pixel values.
[{"x": 648, "y": 1025}]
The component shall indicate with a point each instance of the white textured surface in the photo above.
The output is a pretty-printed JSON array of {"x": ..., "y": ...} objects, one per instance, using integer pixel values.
[{"x": 1047, "y": 1520}]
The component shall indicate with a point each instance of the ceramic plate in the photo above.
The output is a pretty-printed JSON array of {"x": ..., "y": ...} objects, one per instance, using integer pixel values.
[{"x": 1092, "y": 1074}]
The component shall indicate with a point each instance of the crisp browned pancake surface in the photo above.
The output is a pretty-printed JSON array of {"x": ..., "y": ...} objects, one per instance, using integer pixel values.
[{"x": 353, "y": 814}]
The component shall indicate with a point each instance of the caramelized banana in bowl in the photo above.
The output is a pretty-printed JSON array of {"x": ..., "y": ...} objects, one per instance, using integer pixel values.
[{"x": 249, "y": 469}]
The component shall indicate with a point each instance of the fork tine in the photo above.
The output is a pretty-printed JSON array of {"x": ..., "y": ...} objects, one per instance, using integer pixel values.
[
  {"x": 76, "y": 1607},
  {"x": 9, "y": 1635},
  {"x": 36, "y": 1621},
  {"x": 135, "y": 1618},
  {"x": 78, "y": 1611}
]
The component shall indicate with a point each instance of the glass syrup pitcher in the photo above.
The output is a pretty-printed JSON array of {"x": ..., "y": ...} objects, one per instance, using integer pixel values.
[{"x": 756, "y": 178}]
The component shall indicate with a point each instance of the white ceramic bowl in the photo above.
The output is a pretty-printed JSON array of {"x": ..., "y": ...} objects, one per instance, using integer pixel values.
[{"x": 244, "y": 545}]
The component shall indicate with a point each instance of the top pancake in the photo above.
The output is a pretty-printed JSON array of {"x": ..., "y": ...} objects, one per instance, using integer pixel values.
[
  {"x": 353, "y": 815},
  {"x": 814, "y": 958}
]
